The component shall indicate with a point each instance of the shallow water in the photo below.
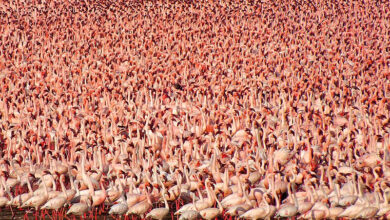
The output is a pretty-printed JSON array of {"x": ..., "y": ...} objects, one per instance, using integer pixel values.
[
  {"x": 6, "y": 213},
  {"x": 15, "y": 213}
]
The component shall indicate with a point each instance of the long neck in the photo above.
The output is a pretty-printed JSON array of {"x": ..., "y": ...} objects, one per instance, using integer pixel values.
[
  {"x": 2, "y": 189},
  {"x": 338, "y": 192},
  {"x": 322, "y": 172},
  {"x": 359, "y": 189},
  {"x": 77, "y": 185},
  {"x": 63, "y": 186},
  {"x": 315, "y": 194},
  {"x": 200, "y": 193},
  {"x": 54, "y": 183},
  {"x": 148, "y": 197},
  {"x": 310, "y": 193},
  {"x": 209, "y": 194},
  {"x": 277, "y": 200},
  {"x": 186, "y": 175},
  {"x": 121, "y": 187},
  {"x": 85, "y": 177},
  {"x": 240, "y": 189},
  {"x": 226, "y": 178},
  {"x": 330, "y": 180},
  {"x": 376, "y": 194},
  {"x": 266, "y": 203},
  {"x": 247, "y": 200},
  {"x": 375, "y": 174},
  {"x": 165, "y": 202},
  {"x": 102, "y": 187},
  {"x": 83, "y": 164},
  {"x": 45, "y": 189},
  {"x": 29, "y": 186},
  {"x": 291, "y": 192},
  {"x": 218, "y": 202},
  {"x": 247, "y": 169},
  {"x": 71, "y": 181}
]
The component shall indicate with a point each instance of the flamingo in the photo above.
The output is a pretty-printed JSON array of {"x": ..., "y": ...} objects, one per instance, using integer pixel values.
[
  {"x": 304, "y": 205},
  {"x": 113, "y": 195},
  {"x": 198, "y": 205},
  {"x": 234, "y": 199},
  {"x": 142, "y": 207},
  {"x": 160, "y": 213},
  {"x": 354, "y": 210},
  {"x": 224, "y": 186},
  {"x": 334, "y": 212},
  {"x": 120, "y": 208},
  {"x": 59, "y": 201},
  {"x": 257, "y": 213},
  {"x": 212, "y": 213},
  {"x": 189, "y": 215},
  {"x": 383, "y": 207},
  {"x": 240, "y": 209},
  {"x": 3, "y": 200},
  {"x": 79, "y": 196},
  {"x": 80, "y": 208},
  {"x": 346, "y": 200},
  {"x": 53, "y": 192},
  {"x": 55, "y": 203},
  {"x": 288, "y": 210},
  {"x": 134, "y": 198},
  {"x": 271, "y": 208},
  {"x": 369, "y": 211},
  {"x": 98, "y": 197},
  {"x": 22, "y": 198},
  {"x": 37, "y": 200},
  {"x": 68, "y": 193},
  {"x": 86, "y": 179},
  {"x": 314, "y": 214}
]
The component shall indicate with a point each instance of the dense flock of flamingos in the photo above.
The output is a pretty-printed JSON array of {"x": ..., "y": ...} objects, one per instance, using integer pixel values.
[{"x": 197, "y": 109}]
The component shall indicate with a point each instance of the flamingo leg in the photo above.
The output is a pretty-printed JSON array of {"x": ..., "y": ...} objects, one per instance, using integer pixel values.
[
  {"x": 36, "y": 215},
  {"x": 61, "y": 212},
  {"x": 12, "y": 211},
  {"x": 53, "y": 215},
  {"x": 177, "y": 204},
  {"x": 43, "y": 214},
  {"x": 91, "y": 214}
]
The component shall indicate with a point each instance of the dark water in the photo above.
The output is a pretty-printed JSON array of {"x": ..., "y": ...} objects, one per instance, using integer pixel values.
[
  {"x": 7, "y": 213},
  {"x": 17, "y": 213}
]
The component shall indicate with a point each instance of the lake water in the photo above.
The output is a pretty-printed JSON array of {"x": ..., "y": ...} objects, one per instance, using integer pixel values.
[{"x": 6, "y": 213}]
